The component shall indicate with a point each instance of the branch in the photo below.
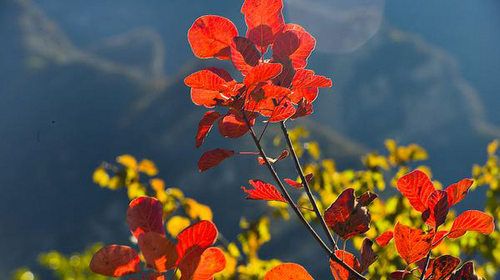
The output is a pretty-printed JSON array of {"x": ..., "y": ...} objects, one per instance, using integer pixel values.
[
  {"x": 295, "y": 208},
  {"x": 298, "y": 167}
]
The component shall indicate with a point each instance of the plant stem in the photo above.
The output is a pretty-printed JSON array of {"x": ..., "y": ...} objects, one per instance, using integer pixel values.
[
  {"x": 295, "y": 208},
  {"x": 298, "y": 167},
  {"x": 427, "y": 260}
]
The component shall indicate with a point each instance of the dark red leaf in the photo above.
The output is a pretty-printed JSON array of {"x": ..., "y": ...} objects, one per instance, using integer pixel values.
[
  {"x": 244, "y": 54},
  {"x": 437, "y": 210},
  {"x": 443, "y": 266},
  {"x": 384, "y": 239},
  {"x": 368, "y": 256},
  {"x": 205, "y": 125},
  {"x": 367, "y": 198},
  {"x": 211, "y": 35},
  {"x": 264, "y": 20},
  {"x": 304, "y": 108},
  {"x": 466, "y": 272},
  {"x": 401, "y": 275},
  {"x": 340, "y": 273},
  {"x": 145, "y": 214},
  {"x": 213, "y": 158},
  {"x": 233, "y": 125},
  {"x": 295, "y": 44},
  {"x": 472, "y": 220},
  {"x": 263, "y": 191},
  {"x": 115, "y": 261},
  {"x": 416, "y": 187}
]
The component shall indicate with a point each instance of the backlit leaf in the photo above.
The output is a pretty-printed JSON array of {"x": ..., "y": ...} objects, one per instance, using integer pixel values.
[
  {"x": 213, "y": 158},
  {"x": 244, "y": 55},
  {"x": 472, "y": 220},
  {"x": 145, "y": 214},
  {"x": 437, "y": 204},
  {"x": 367, "y": 198},
  {"x": 262, "y": 73},
  {"x": 205, "y": 125},
  {"x": 282, "y": 156},
  {"x": 115, "y": 261},
  {"x": 384, "y": 239},
  {"x": 304, "y": 108},
  {"x": 458, "y": 191},
  {"x": 443, "y": 266},
  {"x": 232, "y": 125},
  {"x": 264, "y": 21},
  {"x": 159, "y": 252},
  {"x": 288, "y": 271},
  {"x": 412, "y": 244},
  {"x": 294, "y": 43},
  {"x": 207, "y": 84},
  {"x": 282, "y": 112},
  {"x": 466, "y": 272},
  {"x": 211, "y": 36},
  {"x": 263, "y": 191},
  {"x": 201, "y": 235},
  {"x": 416, "y": 187},
  {"x": 340, "y": 273},
  {"x": 201, "y": 264},
  {"x": 438, "y": 238}
]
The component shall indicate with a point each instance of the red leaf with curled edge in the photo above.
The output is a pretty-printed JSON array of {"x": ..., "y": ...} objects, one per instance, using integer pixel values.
[
  {"x": 304, "y": 108},
  {"x": 367, "y": 198},
  {"x": 115, "y": 261},
  {"x": 264, "y": 21},
  {"x": 201, "y": 235},
  {"x": 412, "y": 244},
  {"x": 294, "y": 43},
  {"x": 282, "y": 112},
  {"x": 400, "y": 275},
  {"x": 437, "y": 210},
  {"x": 346, "y": 216},
  {"x": 205, "y": 125},
  {"x": 263, "y": 98},
  {"x": 368, "y": 256},
  {"x": 262, "y": 73},
  {"x": 438, "y": 238},
  {"x": 305, "y": 84},
  {"x": 340, "y": 273},
  {"x": 145, "y": 214},
  {"x": 263, "y": 191},
  {"x": 282, "y": 156},
  {"x": 288, "y": 271},
  {"x": 244, "y": 54},
  {"x": 466, "y": 272},
  {"x": 202, "y": 264},
  {"x": 456, "y": 192},
  {"x": 210, "y": 36},
  {"x": 159, "y": 252},
  {"x": 416, "y": 187},
  {"x": 296, "y": 184},
  {"x": 384, "y": 239},
  {"x": 233, "y": 125},
  {"x": 208, "y": 84},
  {"x": 443, "y": 266},
  {"x": 213, "y": 158},
  {"x": 472, "y": 220}
]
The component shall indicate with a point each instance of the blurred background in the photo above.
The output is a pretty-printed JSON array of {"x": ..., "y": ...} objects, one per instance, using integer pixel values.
[{"x": 84, "y": 81}]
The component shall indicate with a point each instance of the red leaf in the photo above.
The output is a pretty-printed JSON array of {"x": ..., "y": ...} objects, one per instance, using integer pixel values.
[
  {"x": 367, "y": 198},
  {"x": 244, "y": 55},
  {"x": 262, "y": 73},
  {"x": 295, "y": 44},
  {"x": 417, "y": 188},
  {"x": 282, "y": 156},
  {"x": 304, "y": 108},
  {"x": 213, "y": 158},
  {"x": 384, "y": 239},
  {"x": 211, "y": 35},
  {"x": 263, "y": 99},
  {"x": 438, "y": 238},
  {"x": 341, "y": 209},
  {"x": 437, "y": 204},
  {"x": 207, "y": 85},
  {"x": 293, "y": 183},
  {"x": 305, "y": 78},
  {"x": 466, "y": 272},
  {"x": 205, "y": 125},
  {"x": 400, "y": 275},
  {"x": 288, "y": 271},
  {"x": 263, "y": 191},
  {"x": 443, "y": 265},
  {"x": 201, "y": 264},
  {"x": 368, "y": 257},
  {"x": 115, "y": 261},
  {"x": 233, "y": 125},
  {"x": 340, "y": 273},
  {"x": 201, "y": 235},
  {"x": 472, "y": 220},
  {"x": 458, "y": 191},
  {"x": 282, "y": 112},
  {"x": 159, "y": 252},
  {"x": 145, "y": 214},
  {"x": 412, "y": 244},
  {"x": 264, "y": 21}
]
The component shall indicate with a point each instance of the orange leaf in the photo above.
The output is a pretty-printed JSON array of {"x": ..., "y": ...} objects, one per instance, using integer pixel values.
[
  {"x": 201, "y": 235},
  {"x": 282, "y": 112},
  {"x": 438, "y": 238},
  {"x": 384, "y": 239},
  {"x": 305, "y": 78},
  {"x": 160, "y": 253},
  {"x": 145, "y": 214},
  {"x": 233, "y": 125},
  {"x": 202, "y": 264},
  {"x": 264, "y": 21},
  {"x": 458, "y": 191},
  {"x": 416, "y": 187},
  {"x": 340, "y": 273},
  {"x": 213, "y": 158},
  {"x": 210, "y": 36},
  {"x": 294, "y": 43},
  {"x": 244, "y": 55},
  {"x": 472, "y": 220},
  {"x": 288, "y": 271},
  {"x": 443, "y": 265},
  {"x": 412, "y": 244},
  {"x": 263, "y": 191},
  {"x": 208, "y": 84},
  {"x": 115, "y": 261},
  {"x": 262, "y": 73},
  {"x": 205, "y": 126},
  {"x": 437, "y": 210}
]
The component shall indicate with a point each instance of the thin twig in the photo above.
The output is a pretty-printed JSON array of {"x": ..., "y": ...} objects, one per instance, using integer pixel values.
[
  {"x": 271, "y": 169},
  {"x": 298, "y": 167}
]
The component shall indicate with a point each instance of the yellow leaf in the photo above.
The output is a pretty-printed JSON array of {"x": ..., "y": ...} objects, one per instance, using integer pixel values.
[
  {"x": 116, "y": 182},
  {"x": 136, "y": 190},
  {"x": 127, "y": 161},
  {"x": 176, "y": 224},
  {"x": 492, "y": 147},
  {"x": 197, "y": 210},
  {"x": 313, "y": 149},
  {"x": 148, "y": 167},
  {"x": 101, "y": 177}
]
